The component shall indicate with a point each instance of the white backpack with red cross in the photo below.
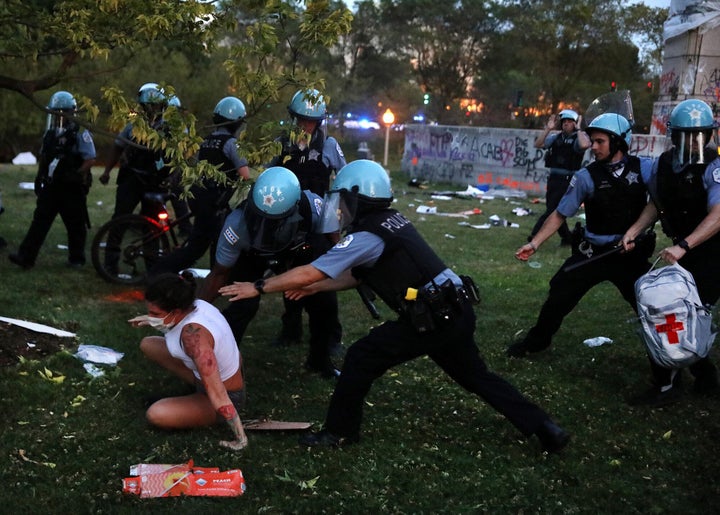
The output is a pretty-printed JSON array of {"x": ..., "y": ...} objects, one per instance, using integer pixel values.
[{"x": 676, "y": 326}]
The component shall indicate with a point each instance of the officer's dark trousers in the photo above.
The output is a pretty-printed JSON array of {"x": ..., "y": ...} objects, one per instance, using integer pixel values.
[
  {"x": 292, "y": 322},
  {"x": 452, "y": 347},
  {"x": 703, "y": 263},
  {"x": 206, "y": 227},
  {"x": 68, "y": 201},
  {"x": 322, "y": 310},
  {"x": 568, "y": 288},
  {"x": 557, "y": 185}
]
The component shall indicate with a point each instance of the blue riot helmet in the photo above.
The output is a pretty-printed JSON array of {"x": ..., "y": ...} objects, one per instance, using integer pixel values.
[
  {"x": 272, "y": 211},
  {"x": 151, "y": 93},
  {"x": 568, "y": 114},
  {"x": 230, "y": 112},
  {"x": 308, "y": 104},
  {"x": 60, "y": 103},
  {"x": 691, "y": 127},
  {"x": 617, "y": 127},
  {"x": 174, "y": 101},
  {"x": 152, "y": 99},
  {"x": 359, "y": 186}
]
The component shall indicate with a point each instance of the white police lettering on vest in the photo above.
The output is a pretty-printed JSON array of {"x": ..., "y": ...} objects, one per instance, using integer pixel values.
[{"x": 396, "y": 221}]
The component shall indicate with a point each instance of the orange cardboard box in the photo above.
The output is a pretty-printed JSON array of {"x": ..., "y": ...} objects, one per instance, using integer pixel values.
[{"x": 159, "y": 480}]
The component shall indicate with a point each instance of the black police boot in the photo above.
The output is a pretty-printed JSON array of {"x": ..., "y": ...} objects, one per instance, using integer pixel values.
[
  {"x": 20, "y": 261},
  {"x": 325, "y": 438},
  {"x": 326, "y": 370},
  {"x": 553, "y": 438},
  {"x": 526, "y": 346}
]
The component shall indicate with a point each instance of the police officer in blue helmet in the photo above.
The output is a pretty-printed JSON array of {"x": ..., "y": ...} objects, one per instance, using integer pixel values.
[
  {"x": 564, "y": 151},
  {"x": 614, "y": 192},
  {"x": 434, "y": 306},
  {"x": 313, "y": 157},
  {"x": 62, "y": 183},
  {"x": 142, "y": 169},
  {"x": 684, "y": 186},
  {"x": 209, "y": 199},
  {"x": 269, "y": 233}
]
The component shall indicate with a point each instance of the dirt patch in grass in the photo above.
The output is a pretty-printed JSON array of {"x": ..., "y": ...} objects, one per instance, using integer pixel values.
[{"x": 17, "y": 341}]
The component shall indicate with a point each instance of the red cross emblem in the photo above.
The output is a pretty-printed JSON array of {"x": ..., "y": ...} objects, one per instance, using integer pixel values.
[{"x": 671, "y": 327}]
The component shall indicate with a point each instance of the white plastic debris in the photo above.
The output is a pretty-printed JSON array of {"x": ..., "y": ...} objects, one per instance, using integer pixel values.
[
  {"x": 427, "y": 210},
  {"x": 597, "y": 341},
  {"x": 474, "y": 226},
  {"x": 93, "y": 370},
  {"x": 98, "y": 354}
]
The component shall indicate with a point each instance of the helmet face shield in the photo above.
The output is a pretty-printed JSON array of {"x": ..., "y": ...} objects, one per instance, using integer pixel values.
[
  {"x": 339, "y": 210},
  {"x": 689, "y": 146},
  {"x": 268, "y": 234}
]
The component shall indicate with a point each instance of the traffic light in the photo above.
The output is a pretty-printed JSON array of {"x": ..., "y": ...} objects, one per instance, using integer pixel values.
[
  {"x": 426, "y": 98},
  {"x": 613, "y": 86},
  {"x": 650, "y": 85},
  {"x": 519, "y": 98}
]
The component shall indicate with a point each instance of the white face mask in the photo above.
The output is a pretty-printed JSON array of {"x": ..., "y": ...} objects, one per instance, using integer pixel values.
[{"x": 154, "y": 322}]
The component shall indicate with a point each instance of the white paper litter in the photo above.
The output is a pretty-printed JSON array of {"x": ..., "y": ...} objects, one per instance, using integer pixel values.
[{"x": 38, "y": 328}]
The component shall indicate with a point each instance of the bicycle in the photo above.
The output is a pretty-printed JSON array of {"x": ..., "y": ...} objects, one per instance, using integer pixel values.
[{"x": 126, "y": 247}]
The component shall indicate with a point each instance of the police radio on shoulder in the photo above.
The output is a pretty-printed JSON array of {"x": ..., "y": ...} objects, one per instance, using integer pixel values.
[{"x": 259, "y": 285}]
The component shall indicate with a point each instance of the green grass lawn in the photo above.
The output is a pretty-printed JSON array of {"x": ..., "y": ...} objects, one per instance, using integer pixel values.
[{"x": 427, "y": 446}]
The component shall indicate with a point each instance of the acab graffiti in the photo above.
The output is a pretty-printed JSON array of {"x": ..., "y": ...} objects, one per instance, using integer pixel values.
[{"x": 481, "y": 155}]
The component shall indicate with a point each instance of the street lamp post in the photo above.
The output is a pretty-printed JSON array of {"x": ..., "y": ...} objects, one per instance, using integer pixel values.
[{"x": 388, "y": 118}]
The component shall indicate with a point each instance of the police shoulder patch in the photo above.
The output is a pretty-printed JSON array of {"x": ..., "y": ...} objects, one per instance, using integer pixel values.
[
  {"x": 230, "y": 236},
  {"x": 716, "y": 175},
  {"x": 318, "y": 205},
  {"x": 347, "y": 240},
  {"x": 87, "y": 138}
]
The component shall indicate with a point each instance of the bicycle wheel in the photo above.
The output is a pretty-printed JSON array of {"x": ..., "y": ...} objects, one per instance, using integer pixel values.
[{"x": 125, "y": 248}]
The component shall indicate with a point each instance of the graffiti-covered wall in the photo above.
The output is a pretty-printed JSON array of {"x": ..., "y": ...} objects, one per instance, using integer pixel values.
[
  {"x": 487, "y": 156},
  {"x": 691, "y": 59}
]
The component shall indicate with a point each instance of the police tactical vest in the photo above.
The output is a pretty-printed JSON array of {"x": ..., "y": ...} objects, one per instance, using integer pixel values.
[
  {"x": 211, "y": 150},
  {"x": 406, "y": 261},
  {"x": 562, "y": 154},
  {"x": 145, "y": 161},
  {"x": 682, "y": 199},
  {"x": 617, "y": 201},
  {"x": 63, "y": 149},
  {"x": 307, "y": 164}
]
